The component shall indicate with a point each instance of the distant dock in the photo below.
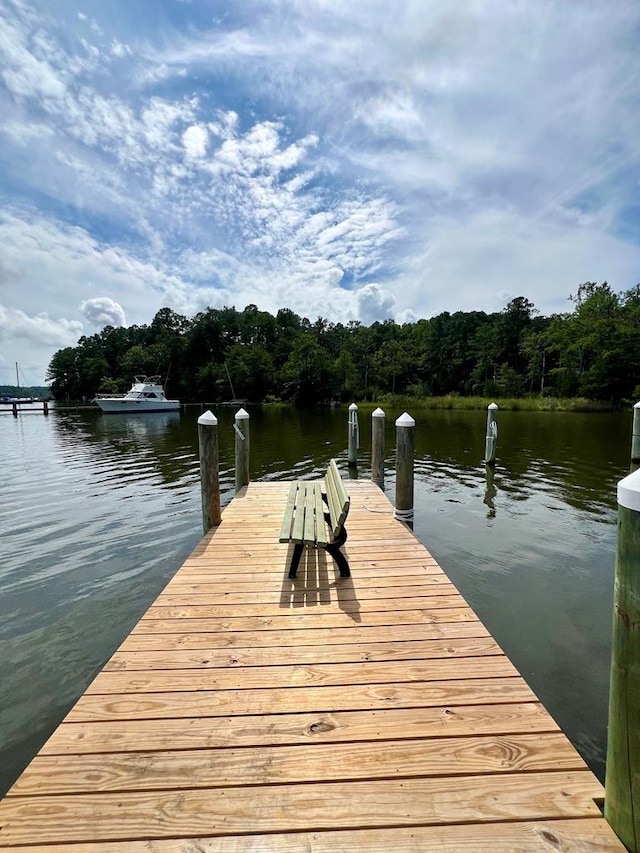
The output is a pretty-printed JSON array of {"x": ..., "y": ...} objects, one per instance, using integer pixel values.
[
  {"x": 248, "y": 712},
  {"x": 23, "y": 406}
]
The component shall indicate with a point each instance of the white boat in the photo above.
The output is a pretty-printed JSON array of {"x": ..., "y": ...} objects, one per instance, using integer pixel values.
[{"x": 145, "y": 395}]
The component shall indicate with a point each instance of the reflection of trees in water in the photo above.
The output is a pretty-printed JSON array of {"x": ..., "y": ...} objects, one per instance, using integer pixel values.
[
  {"x": 133, "y": 443},
  {"x": 573, "y": 458}
]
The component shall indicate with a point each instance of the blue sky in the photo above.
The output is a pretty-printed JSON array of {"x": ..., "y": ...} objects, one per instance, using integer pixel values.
[{"x": 356, "y": 160}]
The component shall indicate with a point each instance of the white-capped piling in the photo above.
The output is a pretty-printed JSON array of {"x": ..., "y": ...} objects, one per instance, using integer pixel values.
[
  {"x": 209, "y": 469},
  {"x": 405, "y": 443},
  {"x": 241, "y": 427},
  {"x": 622, "y": 784},
  {"x": 492, "y": 434},
  {"x": 377, "y": 447},
  {"x": 635, "y": 436},
  {"x": 353, "y": 434}
]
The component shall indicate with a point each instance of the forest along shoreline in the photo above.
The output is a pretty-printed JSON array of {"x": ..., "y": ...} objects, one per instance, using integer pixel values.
[{"x": 585, "y": 359}]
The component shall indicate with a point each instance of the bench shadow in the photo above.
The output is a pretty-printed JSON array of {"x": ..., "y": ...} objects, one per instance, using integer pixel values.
[
  {"x": 348, "y": 598},
  {"x": 317, "y": 577}
]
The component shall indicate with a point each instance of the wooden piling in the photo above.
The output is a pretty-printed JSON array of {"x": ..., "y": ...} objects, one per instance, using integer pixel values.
[
  {"x": 622, "y": 784},
  {"x": 405, "y": 426},
  {"x": 377, "y": 447},
  {"x": 635, "y": 437},
  {"x": 15, "y": 410},
  {"x": 492, "y": 434},
  {"x": 354, "y": 434},
  {"x": 209, "y": 470},
  {"x": 45, "y": 407},
  {"x": 241, "y": 426}
]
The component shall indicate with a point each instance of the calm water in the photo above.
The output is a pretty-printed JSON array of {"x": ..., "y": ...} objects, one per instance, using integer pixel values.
[{"x": 97, "y": 512}]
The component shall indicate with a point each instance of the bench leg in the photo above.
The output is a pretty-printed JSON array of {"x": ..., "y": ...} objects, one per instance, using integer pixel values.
[
  {"x": 334, "y": 549},
  {"x": 295, "y": 559}
]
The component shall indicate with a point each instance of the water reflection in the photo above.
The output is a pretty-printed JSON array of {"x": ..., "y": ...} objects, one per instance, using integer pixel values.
[
  {"x": 140, "y": 426},
  {"x": 490, "y": 492}
]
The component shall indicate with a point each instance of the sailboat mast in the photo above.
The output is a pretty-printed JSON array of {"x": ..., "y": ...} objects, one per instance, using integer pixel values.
[
  {"x": 233, "y": 393},
  {"x": 17, "y": 376}
]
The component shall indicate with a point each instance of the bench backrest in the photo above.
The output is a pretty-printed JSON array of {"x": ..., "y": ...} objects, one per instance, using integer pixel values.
[{"x": 337, "y": 497}]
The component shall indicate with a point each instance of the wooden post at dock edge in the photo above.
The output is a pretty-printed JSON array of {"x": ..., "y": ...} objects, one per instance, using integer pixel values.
[
  {"x": 492, "y": 434},
  {"x": 622, "y": 783},
  {"x": 377, "y": 447},
  {"x": 241, "y": 427},
  {"x": 405, "y": 427},
  {"x": 354, "y": 435},
  {"x": 635, "y": 438},
  {"x": 209, "y": 470}
]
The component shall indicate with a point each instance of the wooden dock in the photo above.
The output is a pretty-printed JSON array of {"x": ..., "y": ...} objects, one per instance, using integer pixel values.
[{"x": 247, "y": 712}]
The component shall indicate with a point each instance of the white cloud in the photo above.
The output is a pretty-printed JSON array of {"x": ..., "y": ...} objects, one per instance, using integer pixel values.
[
  {"x": 102, "y": 311},
  {"x": 24, "y": 74},
  {"x": 481, "y": 261},
  {"x": 31, "y": 340},
  {"x": 374, "y": 304},
  {"x": 37, "y": 329},
  {"x": 195, "y": 139}
]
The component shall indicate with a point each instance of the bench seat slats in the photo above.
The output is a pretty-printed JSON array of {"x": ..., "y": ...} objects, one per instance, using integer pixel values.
[
  {"x": 321, "y": 528},
  {"x": 337, "y": 497},
  {"x": 287, "y": 521},
  {"x": 297, "y": 533},
  {"x": 332, "y": 501},
  {"x": 309, "y": 530}
]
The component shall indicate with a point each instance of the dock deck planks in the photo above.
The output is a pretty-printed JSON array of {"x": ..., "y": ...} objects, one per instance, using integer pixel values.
[{"x": 248, "y": 712}]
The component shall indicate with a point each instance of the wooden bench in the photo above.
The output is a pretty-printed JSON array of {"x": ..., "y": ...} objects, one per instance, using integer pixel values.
[{"x": 306, "y": 522}]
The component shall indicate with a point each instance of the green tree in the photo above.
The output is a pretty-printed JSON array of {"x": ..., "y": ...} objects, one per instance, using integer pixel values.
[{"x": 306, "y": 375}]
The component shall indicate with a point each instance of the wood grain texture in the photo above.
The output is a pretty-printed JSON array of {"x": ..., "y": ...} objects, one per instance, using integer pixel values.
[
  {"x": 302, "y": 655},
  {"x": 304, "y": 618},
  {"x": 314, "y": 806},
  {"x": 289, "y": 729},
  {"x": 268, "y": 765},
  {"x": 220, "y": 703},
  {"x": 317, "y": 637},
  {"x": 568, "y": 836},
  {"x": 301, "y": 676}
]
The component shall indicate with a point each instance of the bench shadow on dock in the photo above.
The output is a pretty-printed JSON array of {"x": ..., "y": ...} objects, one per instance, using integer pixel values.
[{"x": 318, "y": 585}]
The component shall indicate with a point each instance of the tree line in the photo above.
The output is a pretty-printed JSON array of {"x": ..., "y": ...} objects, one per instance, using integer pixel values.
[{"x": 591, "y": 351}]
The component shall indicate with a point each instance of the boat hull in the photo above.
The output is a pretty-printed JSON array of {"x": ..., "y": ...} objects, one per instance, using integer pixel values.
[{"x": 114, "y": 407}]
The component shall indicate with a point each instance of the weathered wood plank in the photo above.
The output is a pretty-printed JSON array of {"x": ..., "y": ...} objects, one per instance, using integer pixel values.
[
  {"x": 270, "y": 569},
  {"x": 367, "y": 587},
  {"x": 579, "y": 835},
  {"x": 309, "y": 675},
  {"x": 218, "y": 595},
  {"x": 270, "y": 765},
  {"x": 367, "y": 634},
  {"x": 320, "y": 618},
  {"x": 303, "y": 655},
  {"x": 389, "y": 802},
  {"x": 160, "y": 610},
  {"x": 212, "y": 703},
  {"x": 289, "y": 729}
]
